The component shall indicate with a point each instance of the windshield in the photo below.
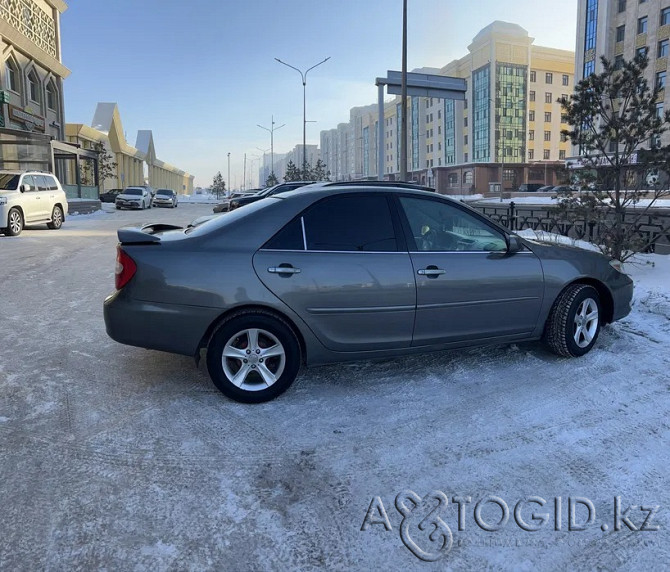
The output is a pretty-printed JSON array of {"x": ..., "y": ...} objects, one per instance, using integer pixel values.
[
  {"x": 132, "y": 192},
  {"x": 9, "y": 182},
  {"x": 164, "y": 192}
]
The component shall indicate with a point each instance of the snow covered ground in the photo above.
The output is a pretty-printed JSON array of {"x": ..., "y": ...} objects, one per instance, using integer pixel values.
[{"x": 117, "y": 457}]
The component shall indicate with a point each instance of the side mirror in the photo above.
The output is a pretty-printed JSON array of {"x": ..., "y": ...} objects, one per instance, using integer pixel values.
[
  {"x": 25, "y": 188},
  {"x": 514, "y": 244}
]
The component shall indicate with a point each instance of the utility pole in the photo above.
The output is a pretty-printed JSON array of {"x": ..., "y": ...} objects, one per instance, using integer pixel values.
[
  {"x": 272, "y": 142},
  {"x": 228, "y": 174},
  {"x": 303, "y": 75},
  {"x": 244, "y": 180},
  {"x": 403, "y": 104}
]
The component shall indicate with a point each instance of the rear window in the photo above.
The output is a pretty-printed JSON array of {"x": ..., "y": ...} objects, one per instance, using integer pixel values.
[
  {"x": 234, "y": 215},
  {"x": 137, "y": 192}
]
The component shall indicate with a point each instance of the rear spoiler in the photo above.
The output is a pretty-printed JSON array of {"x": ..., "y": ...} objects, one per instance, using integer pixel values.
[{"x": 145, "y": 234}]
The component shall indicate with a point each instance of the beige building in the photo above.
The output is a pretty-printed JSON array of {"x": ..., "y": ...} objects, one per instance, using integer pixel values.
[
  {"x": 135, "y": 165},
  {"x": 32, "y": 73},
  {"x": 509, "y": 123}
]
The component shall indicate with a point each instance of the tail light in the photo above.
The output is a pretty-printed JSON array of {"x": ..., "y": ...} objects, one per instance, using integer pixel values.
[{"x": 125, "y": 268}]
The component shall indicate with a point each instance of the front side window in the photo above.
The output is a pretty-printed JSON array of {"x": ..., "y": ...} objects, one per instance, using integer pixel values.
[
  {"x": 29, "y": 180},
  {"x": 437, "y": 226},
  {"x": 350, "y": 223}
]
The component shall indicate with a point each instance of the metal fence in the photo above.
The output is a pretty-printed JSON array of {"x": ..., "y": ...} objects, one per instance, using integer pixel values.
[{"x": 652, "y": 227}]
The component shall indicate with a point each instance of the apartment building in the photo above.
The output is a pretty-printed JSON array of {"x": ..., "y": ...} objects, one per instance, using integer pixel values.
[
  {"x": 508, "y": 126},
  {"x": 620, "y": 29}
]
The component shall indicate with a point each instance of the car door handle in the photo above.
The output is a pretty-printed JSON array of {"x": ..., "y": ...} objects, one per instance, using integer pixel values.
[
  {"x": 284, "y": 270},
  {"x": 431, "y": 271}
]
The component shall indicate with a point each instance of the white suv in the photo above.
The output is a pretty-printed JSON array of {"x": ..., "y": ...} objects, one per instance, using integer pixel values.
[{"x": 30, "y": 197}]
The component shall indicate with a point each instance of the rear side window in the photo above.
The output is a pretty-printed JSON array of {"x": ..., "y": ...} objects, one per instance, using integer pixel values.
[
  {"x": 351, "y": 223},
  {"x": 51, "y": 182},
  {"x": 288, "y": 238},
  {"x": 42, "y": 182}
]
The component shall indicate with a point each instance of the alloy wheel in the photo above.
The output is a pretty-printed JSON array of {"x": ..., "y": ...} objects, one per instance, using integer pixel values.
[
  {"x": 253, "y": 359},
  {"x": 585, "y": 322}
]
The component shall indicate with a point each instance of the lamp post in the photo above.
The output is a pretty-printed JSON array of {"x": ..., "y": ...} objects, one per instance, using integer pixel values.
[
  {"x": 228, "y": 174},
  {"x": 303, "y": 75},
  {"x": 272, "y": 142}
]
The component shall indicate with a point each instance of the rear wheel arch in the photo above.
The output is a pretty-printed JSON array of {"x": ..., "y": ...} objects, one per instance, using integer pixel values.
[{"x": 241, "y": 310}]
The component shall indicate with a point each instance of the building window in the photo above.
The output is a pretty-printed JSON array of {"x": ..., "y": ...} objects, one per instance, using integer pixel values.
[
  {"x": 561, "y": 155},
  {"x": 641, "y": 52},
  {"x": 532, "y": 96},
  {"x": 465, "y": 122},
  {"x": 533, "y": 76},
  {"x": 545, "y": 155},
  {"x": 465, "y": 139},
  {"x": 52, "y": 100},
  {"x": 465, "y": 157},
  {"x": 659, "y": 110},
  {"x": 618, "y": 62},
  {"x": 622, "y": 6},
  {"x": 547, "y": 116},
  {"x": 549, "y": 77},
  {"x": 564, "y": 137},
  {"x": 531, "y": 115},
  {"x": 665, "y": 16},
  {"x": 564, "y": 118},
  {"x": 12, "y": 76},
  {"x": 33, "y": 87},
  {"x": 663, "y": 48},
  {"x": 547, "y": 97},
  {"x": 660, "y": 80},
  {"x": 531, "y": 135},
  {"x": 620, "y": 33},
  {"x": 642, "y": 25},
  {"x": 547, "y": 135},
  {"x": 566, "y": 79},
  {"x": 531, "y": 154}
]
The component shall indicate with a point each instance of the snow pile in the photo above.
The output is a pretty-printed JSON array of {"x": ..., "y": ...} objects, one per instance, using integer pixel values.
[
  {"x": 551, "y": 238},
  {"x": 200, "y": 199}
]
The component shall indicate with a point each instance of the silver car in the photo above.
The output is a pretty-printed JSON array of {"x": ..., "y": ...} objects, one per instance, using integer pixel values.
[
  {"x": 339, "y": 273},
  {"x": 165, "y": 198}
]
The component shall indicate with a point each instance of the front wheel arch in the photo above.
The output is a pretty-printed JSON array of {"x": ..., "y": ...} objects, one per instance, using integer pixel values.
[
  {"x": 238, "y": 310},
  {"x": 606, "y": 298}
]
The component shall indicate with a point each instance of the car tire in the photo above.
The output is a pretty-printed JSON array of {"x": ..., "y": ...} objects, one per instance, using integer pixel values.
[
  {"x": 15, "y": 222},
  {"x": 56, "y": 218},
  {"x": 573, "y": 325},
  {"x": 261, "y": 360}
]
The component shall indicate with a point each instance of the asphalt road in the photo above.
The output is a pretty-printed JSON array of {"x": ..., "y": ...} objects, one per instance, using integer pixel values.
[{"x": 117, "y": 457}]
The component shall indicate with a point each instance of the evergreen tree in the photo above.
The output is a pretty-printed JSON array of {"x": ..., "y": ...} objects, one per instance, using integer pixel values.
[
  {"x": 617, "y": 127},
  {"x": 271, "y": 181},
  {"x": 319, "y": 173},
  {"x": 292, "y": 173},
  {"x": 218, "y": 185}
]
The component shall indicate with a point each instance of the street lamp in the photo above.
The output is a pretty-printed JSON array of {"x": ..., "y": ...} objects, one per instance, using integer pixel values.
[
  {"x": 272, "y": 142},
  {"x": 228, "y": 174},
  {"x": 303, "y": 75}
]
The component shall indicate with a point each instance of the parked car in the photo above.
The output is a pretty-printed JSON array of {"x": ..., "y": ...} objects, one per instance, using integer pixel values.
[
  {"x": 561, "y": 189},
  {"x": 545, "y": 189},
  {"x": 134, "y": 198},
  {"x": 109, "y": 196},
  {"x": 165, "y": 198},
  {"x": 30, "y": 197},
  {"x": 270, "y": 191},
  {"x": 224, "y": 206},
  {"x": 339, "y": 273},
  {"x": 530, "y": 187}
]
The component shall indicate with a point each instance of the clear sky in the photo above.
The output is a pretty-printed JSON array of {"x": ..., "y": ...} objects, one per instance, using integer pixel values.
[{"x": 201, "y": 74}]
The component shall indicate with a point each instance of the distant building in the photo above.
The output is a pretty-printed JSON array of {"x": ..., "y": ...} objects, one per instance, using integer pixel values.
[
  {"x": 620, "y": 29},
  {"x": 510, "y": 123},
  {"x": 135, "y": 165}
]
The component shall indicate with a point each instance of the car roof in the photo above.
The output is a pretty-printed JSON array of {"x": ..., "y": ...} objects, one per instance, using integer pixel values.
[
  {"x": 327, "y": 189},
  {"x": 392, "y": 184}
]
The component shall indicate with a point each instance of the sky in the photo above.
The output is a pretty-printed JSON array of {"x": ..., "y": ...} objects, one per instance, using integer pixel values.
[{"x": 201, "y": 74}]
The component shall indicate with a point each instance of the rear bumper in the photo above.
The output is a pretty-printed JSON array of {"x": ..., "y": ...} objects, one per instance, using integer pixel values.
[{"x": 166, "y": 327}]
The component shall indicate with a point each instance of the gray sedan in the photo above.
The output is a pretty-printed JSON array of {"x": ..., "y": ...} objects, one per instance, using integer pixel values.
[{"x": 337, "y": 273}]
